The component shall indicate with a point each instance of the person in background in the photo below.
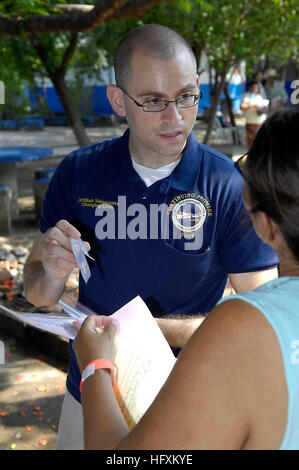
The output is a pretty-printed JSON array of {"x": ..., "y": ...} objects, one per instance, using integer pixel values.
[
  {"x": 254, "y": 107},
  {"x": 258, "y": 76},
  {"x": 275, "y": 90},
  {"x": 235, "y": 385}
]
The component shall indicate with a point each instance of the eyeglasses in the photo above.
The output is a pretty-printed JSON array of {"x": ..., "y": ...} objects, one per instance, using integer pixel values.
[
  {"x": 240, "y": 164},
  {"x": 156, "y": 105}
]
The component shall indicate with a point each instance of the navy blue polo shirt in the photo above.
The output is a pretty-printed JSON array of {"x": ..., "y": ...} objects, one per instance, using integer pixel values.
[{"x": 98, "y": 191}]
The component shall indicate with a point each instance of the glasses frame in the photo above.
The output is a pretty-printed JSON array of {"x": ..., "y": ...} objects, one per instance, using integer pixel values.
[
  {"x": 166, "y": 102},
  {"x": 239, "y": 164}
]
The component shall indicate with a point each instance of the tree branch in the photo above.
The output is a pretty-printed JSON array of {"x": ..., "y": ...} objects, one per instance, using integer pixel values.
[
  {"x": 76, "y": 18},
  {"x": 68, "y": 54},
  {"x": 43, "y": 56},
  {"x": 134, "y": 9}
]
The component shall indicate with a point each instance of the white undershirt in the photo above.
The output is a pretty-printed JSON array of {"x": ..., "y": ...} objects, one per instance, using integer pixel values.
[{"x": 151, "y": 175}]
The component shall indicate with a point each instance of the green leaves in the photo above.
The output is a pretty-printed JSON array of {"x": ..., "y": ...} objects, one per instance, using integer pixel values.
[
  {"x": 23, "y": 8},
  {"x": 231, "y": 30}
]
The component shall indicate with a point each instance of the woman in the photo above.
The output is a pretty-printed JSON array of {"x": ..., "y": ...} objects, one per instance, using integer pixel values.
[
  {"x": 254, "y": 107},
  {"x": 236, "y": 383},
  {"x": 258, "y": 76}
]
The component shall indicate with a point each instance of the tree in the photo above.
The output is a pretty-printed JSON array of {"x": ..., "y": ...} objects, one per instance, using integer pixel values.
[
  {"x": 230, "y": 31},
  {"x": 46, "y": 16},
  {"x": 32, "y": 22},
  {"x": 245, "y": 30}
]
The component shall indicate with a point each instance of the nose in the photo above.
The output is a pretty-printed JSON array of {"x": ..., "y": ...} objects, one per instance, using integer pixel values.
[{"x": 172, "y": 113}]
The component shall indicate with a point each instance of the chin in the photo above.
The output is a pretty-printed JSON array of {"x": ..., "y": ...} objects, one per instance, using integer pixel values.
[{"x": 175, "y": 147}]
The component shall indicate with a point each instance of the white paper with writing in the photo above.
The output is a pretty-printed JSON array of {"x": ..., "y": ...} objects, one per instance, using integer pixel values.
[{"x": 143, "y": 356}]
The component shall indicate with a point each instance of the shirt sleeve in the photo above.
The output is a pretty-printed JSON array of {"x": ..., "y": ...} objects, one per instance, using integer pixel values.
[
  {"x": 240, "y": 248},
  {"x": 59, "y": 199}
]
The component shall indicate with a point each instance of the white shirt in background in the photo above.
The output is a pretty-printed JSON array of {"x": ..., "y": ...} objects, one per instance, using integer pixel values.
[{"x": 251, "y": 115}]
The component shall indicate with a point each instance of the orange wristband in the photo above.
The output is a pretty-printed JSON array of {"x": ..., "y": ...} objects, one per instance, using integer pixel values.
[{"x": 99, "y": 364}]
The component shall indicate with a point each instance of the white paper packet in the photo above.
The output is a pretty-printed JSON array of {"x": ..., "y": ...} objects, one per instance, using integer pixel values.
[
  {"x": 80, "y": 253},
  {"x": 75, "y": 309}
]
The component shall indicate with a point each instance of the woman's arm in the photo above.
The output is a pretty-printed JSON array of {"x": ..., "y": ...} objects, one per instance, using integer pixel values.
[
  {"x": 104, "y": 424},
  {"x": 217, "y": 396}
]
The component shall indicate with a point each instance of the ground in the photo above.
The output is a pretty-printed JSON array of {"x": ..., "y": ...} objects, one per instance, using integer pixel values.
[
  {"x": 31, "y": 393},
  {"x": 33, "y": 382}
]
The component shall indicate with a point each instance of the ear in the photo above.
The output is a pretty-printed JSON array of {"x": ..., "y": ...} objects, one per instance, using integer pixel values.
[
  {"x": 116, "y": 99},
  {"x": 266, "y": 228}
]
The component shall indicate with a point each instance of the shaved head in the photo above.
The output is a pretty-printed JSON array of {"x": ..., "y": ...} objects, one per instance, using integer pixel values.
[{"x": 153, "y": 40}]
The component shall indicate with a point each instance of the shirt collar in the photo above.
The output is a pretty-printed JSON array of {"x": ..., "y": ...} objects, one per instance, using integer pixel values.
[{"x": 185, "y": 175}]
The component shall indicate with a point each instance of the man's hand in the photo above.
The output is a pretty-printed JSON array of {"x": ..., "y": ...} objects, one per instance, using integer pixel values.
[
  {"x": 57, "y": 256},
  {"x": 95, "y": 340},
  {"x": 49, "y": 264}
]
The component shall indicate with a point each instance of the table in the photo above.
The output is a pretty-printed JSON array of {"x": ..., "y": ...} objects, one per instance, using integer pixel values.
[{"x": 9, "y": 156}]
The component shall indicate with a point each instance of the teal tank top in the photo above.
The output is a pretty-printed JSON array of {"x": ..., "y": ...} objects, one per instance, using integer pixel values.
[{"x": 278, "y": 301}]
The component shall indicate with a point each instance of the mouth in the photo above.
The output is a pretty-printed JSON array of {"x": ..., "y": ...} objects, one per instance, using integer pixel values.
[{"x": 171, "y": 136}]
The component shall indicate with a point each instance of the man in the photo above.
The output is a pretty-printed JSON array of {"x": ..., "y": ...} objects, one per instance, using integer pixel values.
[
  {"x": 275, "y": 90},
  {"x": 156, "y": 164},
  {"x": 254, "y": 107}
]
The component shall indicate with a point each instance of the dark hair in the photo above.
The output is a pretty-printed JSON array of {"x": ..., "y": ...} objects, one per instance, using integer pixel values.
[
  {"x": 256, "y": 74},
  {"x": 252, "y": 82},
  {"x": 153, "y": 40},
  {"x": 272, "y": 173}
]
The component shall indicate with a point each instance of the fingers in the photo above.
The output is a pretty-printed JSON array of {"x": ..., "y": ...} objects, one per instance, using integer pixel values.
[
  {"x": 68, "y": 229},
  {"x": 106, "y": 324},
  {"x": 57, "y": 242},
  {"x": 57, "y": 251},
  {"x": 87, "y": 245},
  {"x": 56, "y": 236},
  {"x": 112, "y": 326},
  {"x": 90, "y": 345},
  {"x": 77, "y": 325}
]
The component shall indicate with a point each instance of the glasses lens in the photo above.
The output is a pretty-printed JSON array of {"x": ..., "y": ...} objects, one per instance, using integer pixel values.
[
  {"x": 187, "y": 101},
  {"x": 154, "y": 105},
  {"x": 158, "y": 104}
]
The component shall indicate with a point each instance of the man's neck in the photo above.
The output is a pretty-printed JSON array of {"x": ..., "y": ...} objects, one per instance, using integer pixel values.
[{"x": 152, "y": 159}]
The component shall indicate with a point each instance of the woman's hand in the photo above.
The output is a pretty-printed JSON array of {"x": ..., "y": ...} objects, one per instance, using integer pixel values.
[{"x": 95, "y": 340}]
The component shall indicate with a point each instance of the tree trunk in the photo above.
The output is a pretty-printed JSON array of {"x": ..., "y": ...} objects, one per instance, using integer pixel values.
[
  {"x": 57, "y": 77},
  {"x": 197, "y": 50},
  {"x": 236, "y": 137},
  {"x": 214, "y": 103},
  {"x": 71, "y": 111}
]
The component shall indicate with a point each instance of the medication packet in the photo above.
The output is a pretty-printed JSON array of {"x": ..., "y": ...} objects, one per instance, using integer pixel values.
[{"x": 80, "y": 252}]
